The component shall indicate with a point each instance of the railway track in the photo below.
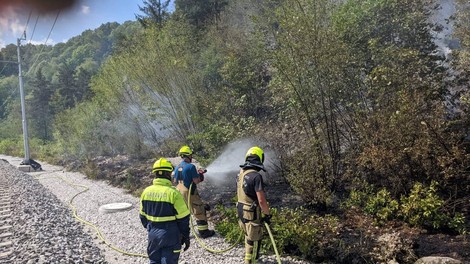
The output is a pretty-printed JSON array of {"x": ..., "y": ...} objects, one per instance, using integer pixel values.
[{"x": 6, "y": 230}]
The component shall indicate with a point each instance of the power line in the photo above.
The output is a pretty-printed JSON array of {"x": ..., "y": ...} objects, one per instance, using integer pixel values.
[
  {"x": 3, "y": 68},
  {"x": 27, "y": 22},
  {"x": 9, "y": 97},
  {"x": 37, "y": 57},
  {"x": 24, "y": 33},
  {"x": 34, "y": 29},
  {"x": 53, "y": 25},
  {"x": 52, "y": 28}
]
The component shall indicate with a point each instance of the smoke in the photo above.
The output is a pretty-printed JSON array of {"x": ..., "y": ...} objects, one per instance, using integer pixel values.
[
  {"x": 225, "y": 168},
  {"x": 443, "y": 17}
]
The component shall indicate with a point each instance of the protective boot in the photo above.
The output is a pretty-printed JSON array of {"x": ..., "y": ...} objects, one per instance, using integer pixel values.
[
  {"x": 203, "y": 228},
  {"x": 252, "y": 249},
  {"x": 206, "y": 233}
]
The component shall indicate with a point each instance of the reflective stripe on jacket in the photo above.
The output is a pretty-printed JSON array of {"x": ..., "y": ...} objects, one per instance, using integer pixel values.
[{"x": 161, "y": 202}]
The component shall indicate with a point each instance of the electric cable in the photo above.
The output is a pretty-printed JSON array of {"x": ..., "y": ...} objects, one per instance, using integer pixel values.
[
  {"x": 45, "y": 43},
  {"x": 9, "y": 97},
  {"x": 34, "y": 29},
  {"x": 27, "y": 21}
]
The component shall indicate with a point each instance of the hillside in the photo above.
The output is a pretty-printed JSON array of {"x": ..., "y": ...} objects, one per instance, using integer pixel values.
[{"x": 362, "y": 106}]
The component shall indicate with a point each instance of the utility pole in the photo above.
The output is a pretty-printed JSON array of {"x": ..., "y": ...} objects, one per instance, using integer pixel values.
[{"x": 26, "y": 160}]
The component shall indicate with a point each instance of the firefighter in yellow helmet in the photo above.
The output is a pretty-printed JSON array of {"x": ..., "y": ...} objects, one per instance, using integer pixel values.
[
  {"x": 187, "y": 177},
  {"x": 165, "y": 215},
  {"x": 252, "y": 207}
]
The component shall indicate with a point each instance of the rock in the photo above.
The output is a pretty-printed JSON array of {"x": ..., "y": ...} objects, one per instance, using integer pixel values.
[{"x": 437, "y": 260}]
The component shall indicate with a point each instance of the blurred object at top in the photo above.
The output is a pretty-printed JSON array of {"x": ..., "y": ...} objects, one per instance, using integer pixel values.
[{"x": 42, "y": 6}]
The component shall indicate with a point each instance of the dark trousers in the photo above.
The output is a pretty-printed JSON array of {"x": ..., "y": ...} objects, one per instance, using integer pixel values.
[{"x": 164, "y": 244}]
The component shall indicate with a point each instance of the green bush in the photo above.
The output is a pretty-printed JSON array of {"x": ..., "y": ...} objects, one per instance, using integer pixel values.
[
  {"x": 314, "y": 179},
  {"x": 382, "y": 206},
  {"x": 207, "y": 143},
  {"x": 289, "y": 232},
  {"x": 39, "y": 149},
  {"x": 228, "y": 224},
  {"x": 358, "y": 197},
  {"x": 379, "y": 204},
  {"x": 424, "y": 207},
  {"x": 12, "y": 147}
]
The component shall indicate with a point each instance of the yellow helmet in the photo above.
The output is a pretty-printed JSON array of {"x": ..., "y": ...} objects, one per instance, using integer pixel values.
[
  {"x": 255, "y": 151},
  {"x": 185, "y": 151},
  {"x": 162, "y": 165}
]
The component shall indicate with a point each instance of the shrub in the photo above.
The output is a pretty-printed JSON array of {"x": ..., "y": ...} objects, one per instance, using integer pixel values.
[
  {"x": 228, "y": 224},
  {"x": 314, "y": 179},
  {"x": 13, "y": 147},
  {"x": 424, "y": 207},
  {"x": 289, "y": 232},
  {"x": 382, "y": 206},
  {"x": 359, "y": 197},
  {"x": 91, "y": 170}
]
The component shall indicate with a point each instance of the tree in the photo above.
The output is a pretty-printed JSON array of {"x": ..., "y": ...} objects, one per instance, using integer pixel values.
[
  {"x": 312, "y": 90},
  {"x": 39, "y": 107},
  {"x": 200, "y": 13},
  {"x": 155, "y": 12},
  {"x": 65, "y": 89},
  {"x": 8, "y": 54},
  {"x": 9, "y": 95},
  {"x": 402, "y": 131}
]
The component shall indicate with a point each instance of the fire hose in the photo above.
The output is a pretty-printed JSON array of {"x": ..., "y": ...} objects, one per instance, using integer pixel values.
[
  {"x": 198, "y": 239},
  {"x": 76, "y": 216},
  {"x": 203, "y": 245}
]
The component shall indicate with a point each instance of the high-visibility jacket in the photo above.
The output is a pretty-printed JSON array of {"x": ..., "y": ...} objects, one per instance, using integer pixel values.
[{"x": 161, "y": 202}]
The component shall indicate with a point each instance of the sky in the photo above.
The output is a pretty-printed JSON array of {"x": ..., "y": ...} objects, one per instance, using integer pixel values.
[{"x": 83, "y": 15}]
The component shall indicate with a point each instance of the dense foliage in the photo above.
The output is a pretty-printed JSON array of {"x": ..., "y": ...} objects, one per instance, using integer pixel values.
[{"x": 355, "y": 97}]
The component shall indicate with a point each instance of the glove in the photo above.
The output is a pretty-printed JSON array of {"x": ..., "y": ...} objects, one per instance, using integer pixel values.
[
  {"x": 201, "y": 174},
  {"x": 267, "y": 219},
  {"x": 207, "y": 207},
  {"x": 186, "y": 242}
]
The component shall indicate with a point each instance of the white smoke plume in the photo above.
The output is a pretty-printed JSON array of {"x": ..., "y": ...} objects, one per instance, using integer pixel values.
[{"x": 443, "y": 17}]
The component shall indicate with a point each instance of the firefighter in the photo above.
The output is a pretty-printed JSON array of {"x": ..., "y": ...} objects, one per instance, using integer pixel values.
[
  {"x": 252, "y": 207},
  {"x": 186, "y": 176},
  {"x": 165, "y": 215}
]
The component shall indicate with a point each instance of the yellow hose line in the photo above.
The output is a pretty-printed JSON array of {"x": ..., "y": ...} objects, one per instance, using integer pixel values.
[
  {"x": 98, "y": 232},
  {"x": 273, "y": 242},
  {"x": 198, "y": 239}
]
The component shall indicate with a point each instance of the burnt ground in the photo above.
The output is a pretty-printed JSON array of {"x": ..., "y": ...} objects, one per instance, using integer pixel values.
[{"x": 360, "y": 237}]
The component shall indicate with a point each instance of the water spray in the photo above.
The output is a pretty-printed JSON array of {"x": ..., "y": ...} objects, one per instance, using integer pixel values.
[{"x": 224, "y": 169}]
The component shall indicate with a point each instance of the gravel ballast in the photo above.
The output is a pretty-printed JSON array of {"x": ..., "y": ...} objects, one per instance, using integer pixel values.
[{"x": 46, "y": 232}]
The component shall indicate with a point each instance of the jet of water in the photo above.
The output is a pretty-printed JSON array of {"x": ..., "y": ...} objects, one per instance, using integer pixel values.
[{"x": 225, "y": 168}]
